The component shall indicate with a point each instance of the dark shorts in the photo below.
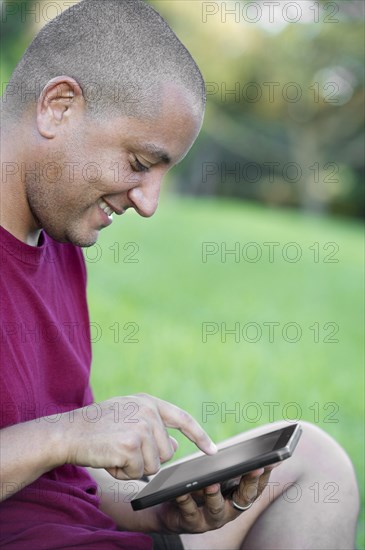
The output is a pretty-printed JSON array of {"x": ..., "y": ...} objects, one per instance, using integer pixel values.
[{"x": 166, "y": 542}]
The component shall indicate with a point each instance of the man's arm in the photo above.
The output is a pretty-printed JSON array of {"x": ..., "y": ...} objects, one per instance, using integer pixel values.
[
  {"x": 27, "y": 451},
  {"x": 127, "y": 447},
  {"x": 129, "y": 439}
]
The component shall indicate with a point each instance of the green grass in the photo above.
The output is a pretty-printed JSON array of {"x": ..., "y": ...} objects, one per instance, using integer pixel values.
[{"x": 169, "y": 292}]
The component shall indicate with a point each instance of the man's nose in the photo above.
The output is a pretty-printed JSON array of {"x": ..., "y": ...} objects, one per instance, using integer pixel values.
[{"x": 145, "y": 196}]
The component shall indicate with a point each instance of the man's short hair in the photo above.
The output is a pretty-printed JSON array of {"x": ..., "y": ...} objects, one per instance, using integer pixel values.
[{"x": 121, "y": 52}]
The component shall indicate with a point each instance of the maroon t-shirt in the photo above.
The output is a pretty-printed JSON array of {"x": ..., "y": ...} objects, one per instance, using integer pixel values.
[{"x": 45, "y": 367}]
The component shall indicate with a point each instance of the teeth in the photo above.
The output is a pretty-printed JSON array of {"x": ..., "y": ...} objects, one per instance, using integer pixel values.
[{"x": 108, "y": 211}]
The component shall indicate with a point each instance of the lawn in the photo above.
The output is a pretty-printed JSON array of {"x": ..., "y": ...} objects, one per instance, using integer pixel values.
[{"x": 274, "y": 329}]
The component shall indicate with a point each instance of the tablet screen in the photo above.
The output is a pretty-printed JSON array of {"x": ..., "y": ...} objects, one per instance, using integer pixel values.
[{"x": 224, "y": 459}]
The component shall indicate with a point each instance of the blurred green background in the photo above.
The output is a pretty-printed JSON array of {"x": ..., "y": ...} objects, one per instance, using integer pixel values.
[{"x": 279, "y": 160}]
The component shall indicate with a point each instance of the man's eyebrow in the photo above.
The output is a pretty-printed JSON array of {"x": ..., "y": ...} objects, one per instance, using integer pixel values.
[{"x": 156, "y": 152}]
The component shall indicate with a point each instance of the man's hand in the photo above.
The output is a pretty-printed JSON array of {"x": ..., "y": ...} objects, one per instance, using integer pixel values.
[
  {"x": 185, "y": 515},
  {"x": 127, "y": 435}
]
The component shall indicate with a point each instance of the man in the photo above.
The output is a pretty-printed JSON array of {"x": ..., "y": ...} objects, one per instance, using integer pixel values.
[{"x": 118, "y": 102}]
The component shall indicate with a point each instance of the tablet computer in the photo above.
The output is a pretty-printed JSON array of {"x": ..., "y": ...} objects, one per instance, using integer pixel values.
[{"x": 227, "y": 464}]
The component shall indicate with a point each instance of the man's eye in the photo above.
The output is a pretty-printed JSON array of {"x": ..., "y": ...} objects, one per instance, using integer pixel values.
[{"x": 138, "y": 166}]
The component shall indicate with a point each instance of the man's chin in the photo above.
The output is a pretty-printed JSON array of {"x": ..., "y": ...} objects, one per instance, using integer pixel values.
[
  {"x": 82, "y": 241},
  {"x": 87, "y": 244}
]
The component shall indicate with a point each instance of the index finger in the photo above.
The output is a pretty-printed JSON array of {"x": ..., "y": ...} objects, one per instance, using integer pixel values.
[{"x": 174, "y": 417}]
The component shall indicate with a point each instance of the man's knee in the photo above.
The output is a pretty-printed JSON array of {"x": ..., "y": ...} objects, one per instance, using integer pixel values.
[
  {"x": 322, "y": 447},
  {"x": 322, "y": 457}
]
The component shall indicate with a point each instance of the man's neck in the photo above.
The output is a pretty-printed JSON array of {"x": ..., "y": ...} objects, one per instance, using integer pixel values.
[{"x": 15, "y": 214}]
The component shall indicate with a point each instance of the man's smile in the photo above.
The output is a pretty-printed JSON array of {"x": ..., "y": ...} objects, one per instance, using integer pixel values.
[{"x": 106, "y": 208}]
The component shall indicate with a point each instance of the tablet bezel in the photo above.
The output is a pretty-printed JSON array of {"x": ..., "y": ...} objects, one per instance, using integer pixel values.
[{"x": 283, "y": 449}]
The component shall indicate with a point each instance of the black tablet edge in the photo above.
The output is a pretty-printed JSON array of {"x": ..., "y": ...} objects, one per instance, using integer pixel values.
[
  {"x": 168, "y": 494},
  {"x": 269, "y": 458}
]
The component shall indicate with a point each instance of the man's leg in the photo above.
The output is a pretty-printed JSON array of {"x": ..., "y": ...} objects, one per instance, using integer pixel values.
[{"x": 312, "y": 502}]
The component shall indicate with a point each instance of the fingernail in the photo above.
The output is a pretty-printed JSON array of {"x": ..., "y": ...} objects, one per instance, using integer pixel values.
[
  {"x": 257, "y": 473},
  {"x": 212, "y": 489},
  {"x": 174, "y": 443},
  {"x": 212, "y": 449}
]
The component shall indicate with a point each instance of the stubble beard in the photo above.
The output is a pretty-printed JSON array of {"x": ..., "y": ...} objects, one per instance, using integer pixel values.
[{"x": 48, "y": 214}]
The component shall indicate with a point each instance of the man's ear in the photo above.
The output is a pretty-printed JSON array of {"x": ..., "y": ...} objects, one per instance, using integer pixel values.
[{"x": 61, "y": 98}]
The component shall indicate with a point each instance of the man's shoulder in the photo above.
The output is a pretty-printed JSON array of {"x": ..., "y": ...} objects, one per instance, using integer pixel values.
[{"x": 46, "y": 259}]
